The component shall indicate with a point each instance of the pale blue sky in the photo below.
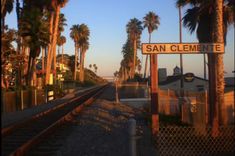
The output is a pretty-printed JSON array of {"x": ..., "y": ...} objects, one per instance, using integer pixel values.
[{"x": 107, "y": 21}]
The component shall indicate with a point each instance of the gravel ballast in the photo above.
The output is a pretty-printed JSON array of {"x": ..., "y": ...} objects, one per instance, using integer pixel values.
[{"x": 102, "y": 130}]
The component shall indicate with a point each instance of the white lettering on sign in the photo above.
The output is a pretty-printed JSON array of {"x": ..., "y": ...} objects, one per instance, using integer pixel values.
[{"x": 182, "y": 48}]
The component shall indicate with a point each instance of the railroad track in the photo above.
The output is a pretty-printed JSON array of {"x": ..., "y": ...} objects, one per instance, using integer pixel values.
[{"x": 19, "y": 138}]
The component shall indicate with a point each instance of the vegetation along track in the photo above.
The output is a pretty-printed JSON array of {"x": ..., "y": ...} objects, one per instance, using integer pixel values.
[{"x": 17, "y": 140}]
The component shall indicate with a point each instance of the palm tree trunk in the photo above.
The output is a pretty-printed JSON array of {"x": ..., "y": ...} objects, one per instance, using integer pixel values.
[
  {"x": 58, "y": 50},
  {"x": 29, "y": 69},
  {"x": 55, "y": 37},
  {"x": 146, "y": 61},
  {"x": 62, "y": 60},
  {"x": 54, "y": 64},
  {"x": 3, "y": 25},
  {"x": 52, "y": 49},
  {"x": 43, "y": 64},
  {"x": 19, "y": 39},
  {"x": 82, "y": 57},
  {"x": 75, "y": 62},
  {"x": 48, "y": 65},
  {"x": 34, "y": 75},
  {"x": 3, "y": 5},
  {"x": 219, "y": 68},
  {"x": 43, "y": 57},
  {"x": 134, "y": 57}
]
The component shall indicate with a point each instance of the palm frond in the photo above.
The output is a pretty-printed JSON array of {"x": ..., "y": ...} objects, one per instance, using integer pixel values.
[{"x": 191, "y": 19}]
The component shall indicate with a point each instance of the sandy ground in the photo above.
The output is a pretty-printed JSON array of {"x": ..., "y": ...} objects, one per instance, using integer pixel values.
[{"x": 102, "y": 130}]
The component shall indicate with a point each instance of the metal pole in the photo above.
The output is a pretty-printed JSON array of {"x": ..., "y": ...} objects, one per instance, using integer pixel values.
[
  {"x": 181, "y": 56},
  {"x": 204, "y": 57}
]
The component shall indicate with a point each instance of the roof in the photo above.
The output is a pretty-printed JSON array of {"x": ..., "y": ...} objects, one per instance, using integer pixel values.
[{"x": 174, "y": 78}]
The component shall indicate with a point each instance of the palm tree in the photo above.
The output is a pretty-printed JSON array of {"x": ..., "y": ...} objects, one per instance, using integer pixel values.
[
  {"x": 127, "y": 62},
  {"x": 134, "y": 30},
  {"x": 151, "y": 21},
  {"x": 74, "y": 34},
  {"x": 202, "y": 18},
  {"x": 61, "y": 25},
  {"x": 54, "y": 8},
  {"x": 59, "y": 44},
  {"x": 84, "y": 46},
  {"x": 34, "y": 31},
  {"x": 218, "y": 38},
  {"x": 7, "y": 50},
  {"x": 83, "y": 42}
]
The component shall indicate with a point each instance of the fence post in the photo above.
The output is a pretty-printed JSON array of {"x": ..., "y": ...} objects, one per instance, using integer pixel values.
[
  {"x": 46, "y": 94},
  {"x": 116, "y": 84},
  {"x": 3, "y": 94},
  {"x": 35, "y": 97},
  {"x": 132, "y": 137},
  {"x": 22, "y": 99},
  {"x": 168, "y": 102},
  {"x": 206, "y": 103}
]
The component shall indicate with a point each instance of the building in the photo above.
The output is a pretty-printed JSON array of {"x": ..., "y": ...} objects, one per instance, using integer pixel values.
[
  {"x": 191, "y": 82},
  {"x": 177, "y": 71},
  {"x": 162, "y": 74},
  {"x": 229, "y": 83}
]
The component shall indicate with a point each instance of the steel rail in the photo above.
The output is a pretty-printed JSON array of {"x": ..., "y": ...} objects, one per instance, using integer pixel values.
[
  {"x": 7, "y": 130},
  {"x": 87, "y": 98}
]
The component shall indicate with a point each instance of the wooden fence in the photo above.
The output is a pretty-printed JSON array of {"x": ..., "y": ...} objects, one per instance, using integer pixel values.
[
  {"x": 194, "y": 106},
  {"x": 14, "y": 101}
]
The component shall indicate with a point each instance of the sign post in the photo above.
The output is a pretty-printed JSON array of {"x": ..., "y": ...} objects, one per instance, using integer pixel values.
[{"x": 172, "y": 48}]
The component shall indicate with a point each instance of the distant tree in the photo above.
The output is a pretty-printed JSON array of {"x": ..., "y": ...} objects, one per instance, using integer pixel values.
[
  {"x": 84, "y": 46},
  {"x": 63, "y": 41},
  {"x": 151, "y": 21},
  {"x": 134, "y": 30},
  {"x": 74, "y": 34},
  {"x": 34, "y": 31}
]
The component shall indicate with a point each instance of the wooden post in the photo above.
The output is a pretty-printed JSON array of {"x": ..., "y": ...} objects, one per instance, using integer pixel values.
[
  {"x": 206, "y": 106},
  {"x": 116, "y": 84},
  {"x": 154, "y": 94},
  {"x": 3, "y": 94},
  {"x": 168, "y": 102},
  {"x": 35, "y": 97},
  {"x": 22, "y": 99}
]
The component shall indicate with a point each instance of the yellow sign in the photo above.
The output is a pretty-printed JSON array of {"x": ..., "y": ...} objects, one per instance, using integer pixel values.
[{"x": 182, "y": 48}]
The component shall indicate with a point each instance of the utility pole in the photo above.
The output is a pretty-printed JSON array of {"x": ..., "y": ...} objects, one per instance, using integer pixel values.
[
  {"x": 181, "y": 55},
  {"x": 181, "y": 67}
]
